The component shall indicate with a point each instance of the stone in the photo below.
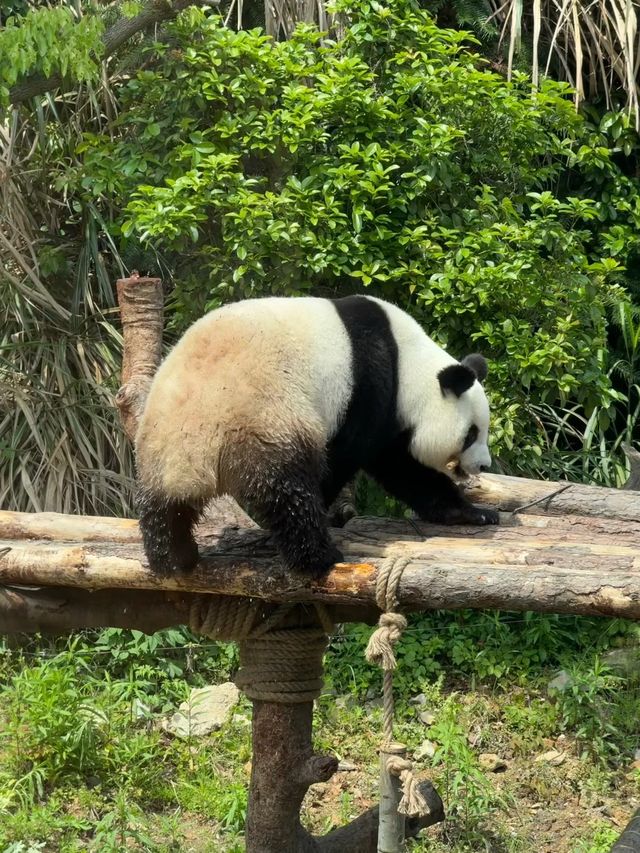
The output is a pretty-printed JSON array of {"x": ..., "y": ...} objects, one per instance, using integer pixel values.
[
  {"x": 492, "y": 763},
  {"x": 427, "y": 718},
  {"x": 347, "y": 766},
  {"x": 206, "y": 710},
  {"x": 420, "y": 700},
  {"x": 559, "y": 683},
  {"x": 427, "y": 749},
  {"x": 552, "y": 757},
  {"x": 624, "y": 662}
]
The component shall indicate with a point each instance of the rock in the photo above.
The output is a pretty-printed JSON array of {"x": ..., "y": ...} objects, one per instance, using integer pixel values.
[
  {"x": 427, "y": 718},
  {"x": 427, "y": 749},
  {"x": 372, "y": 704},
  {"x": 562, "y": 681},
  {"x": 140, "y": 710},
  {"x": 347, "y": 766},
  {"x": 552, "y": 757},
  {"x": 420, "y": 700},
  {"x": 636, "y": 755},
  {"x": 206, "y": 709},
  {"x": 345, "y": 702},
  {"x": 624, "y": 662},
  {"x": 491, "y": 763}
]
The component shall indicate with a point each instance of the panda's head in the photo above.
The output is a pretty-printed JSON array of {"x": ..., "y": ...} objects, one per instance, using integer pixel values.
[
  {"x": 453, "y": 433},
  {"x": 467, "y": 409}
]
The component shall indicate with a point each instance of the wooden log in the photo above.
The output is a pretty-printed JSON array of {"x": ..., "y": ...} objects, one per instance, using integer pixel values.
[
  {"x": 141, "y": 310},
  {"x": 509, "y": 493},
  {"x": 391, "y": 822},
  {"x": 58, "y": 610},
  {"x": 454, "y": 568}
]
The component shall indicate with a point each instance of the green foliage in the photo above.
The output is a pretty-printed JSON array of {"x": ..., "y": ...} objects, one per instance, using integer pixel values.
[
  {"x": 500, "y": 647},
  {"x": 467, "y": 792},
  {"x": 593, "y": 709},
  {"x": 391, "y": 160},
  {"x": 47, "y": 41},
  {"x": 79, "y": 725},
  {"x": 600, "y": 840}
]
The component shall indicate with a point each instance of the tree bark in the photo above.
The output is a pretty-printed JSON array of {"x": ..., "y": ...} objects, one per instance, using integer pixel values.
[
  {"x": 60, "y": 610},
  {"x": 155, "y": 12},
  {"x": 510, "y": 493},
  {"x": 141, "y": 310},
  {"x": 283, "y": 768}
]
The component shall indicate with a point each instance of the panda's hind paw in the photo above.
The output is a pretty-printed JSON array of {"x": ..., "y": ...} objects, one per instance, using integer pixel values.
[{"x": 177, "y": 562}]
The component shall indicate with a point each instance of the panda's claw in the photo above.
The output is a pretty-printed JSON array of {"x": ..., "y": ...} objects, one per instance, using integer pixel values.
[{"x": 488, "y": 516}]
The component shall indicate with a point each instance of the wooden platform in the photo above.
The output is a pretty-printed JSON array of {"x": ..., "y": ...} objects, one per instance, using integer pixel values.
[{"x": 560, "y": 548}]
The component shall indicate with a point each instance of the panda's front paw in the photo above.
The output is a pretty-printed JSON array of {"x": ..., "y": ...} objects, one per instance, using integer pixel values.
[
  {"x": 481, "y": 515},
  {"x": 314, "y": 562}
]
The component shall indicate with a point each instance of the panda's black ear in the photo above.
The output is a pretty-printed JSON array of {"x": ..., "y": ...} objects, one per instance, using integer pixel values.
[
  {"x": 477, "y": 363},
  {"x": 456, "y": 378}
]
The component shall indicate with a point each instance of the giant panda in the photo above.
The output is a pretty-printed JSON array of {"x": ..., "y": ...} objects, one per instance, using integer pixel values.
[{"x": 280, "y": 401}]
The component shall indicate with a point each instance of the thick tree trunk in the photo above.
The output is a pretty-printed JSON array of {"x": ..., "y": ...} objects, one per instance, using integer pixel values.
[{"x": 282, "y": 751}]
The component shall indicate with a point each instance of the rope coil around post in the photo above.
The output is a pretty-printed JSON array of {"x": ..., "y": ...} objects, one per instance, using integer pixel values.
[
  {"x": 380, "y": 651},
  {"x": 277, "y": 664}
]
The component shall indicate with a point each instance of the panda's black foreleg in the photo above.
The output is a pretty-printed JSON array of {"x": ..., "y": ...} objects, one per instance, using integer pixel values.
[
  {"x": 430, "y": 493},
  {"x": 167, "y": 533},
  {"x": 285, "y": 495}
]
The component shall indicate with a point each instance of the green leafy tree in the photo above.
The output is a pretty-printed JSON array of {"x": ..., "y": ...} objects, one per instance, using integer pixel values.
[{"x": 391, "y": 160}]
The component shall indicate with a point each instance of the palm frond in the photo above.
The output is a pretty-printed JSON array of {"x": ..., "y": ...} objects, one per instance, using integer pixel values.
[{"x": 592, "y": 44}]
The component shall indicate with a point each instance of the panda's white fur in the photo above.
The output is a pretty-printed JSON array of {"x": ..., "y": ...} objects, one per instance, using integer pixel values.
[{"x": 276, "y": 400}]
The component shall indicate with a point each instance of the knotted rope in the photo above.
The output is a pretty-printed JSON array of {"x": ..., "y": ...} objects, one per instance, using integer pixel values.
[
  {"x": 277, "y": 664},
  {"x": 380, "y": 651}
]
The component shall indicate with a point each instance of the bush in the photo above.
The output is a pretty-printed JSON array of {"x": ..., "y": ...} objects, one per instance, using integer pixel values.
[{"x": 390, "y": 160}]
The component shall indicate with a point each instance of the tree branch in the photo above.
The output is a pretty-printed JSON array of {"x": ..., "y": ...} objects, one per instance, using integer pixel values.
[{"x": 153, "y": 13}]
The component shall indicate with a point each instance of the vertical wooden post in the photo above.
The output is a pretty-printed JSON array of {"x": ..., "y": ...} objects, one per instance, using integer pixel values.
[
  {"x": 391, "y": 830},
  {"x": 142, "y": 313}
]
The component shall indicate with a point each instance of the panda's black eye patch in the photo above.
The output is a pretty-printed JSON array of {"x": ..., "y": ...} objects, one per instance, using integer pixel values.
[{"x": 471, "y": 436}]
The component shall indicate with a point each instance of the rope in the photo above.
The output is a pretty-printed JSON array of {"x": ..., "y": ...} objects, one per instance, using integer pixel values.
[
  {"x": 276, "y": 664},
  {"x": 412, "y": 802},
  {"x": 380, "y": 651}
]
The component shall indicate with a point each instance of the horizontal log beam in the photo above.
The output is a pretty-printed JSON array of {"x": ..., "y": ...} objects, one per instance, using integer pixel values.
[
  {"x": 581, "y": 562},
  {"x": 511, "y": 493},
  {"x": 447, "y": 572}
]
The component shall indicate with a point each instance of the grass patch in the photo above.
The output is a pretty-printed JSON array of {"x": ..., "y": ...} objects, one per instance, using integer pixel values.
[{"x": 86, "y": 766}]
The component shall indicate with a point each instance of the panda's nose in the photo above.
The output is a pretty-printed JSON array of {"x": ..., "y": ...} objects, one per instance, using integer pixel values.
[{"x": 484, "y": 468}]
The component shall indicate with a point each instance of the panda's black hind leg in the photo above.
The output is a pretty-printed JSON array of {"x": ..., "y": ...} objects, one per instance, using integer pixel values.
[
  {"x": 285, "y": 496},
  {"x": 167, "y": 533}
]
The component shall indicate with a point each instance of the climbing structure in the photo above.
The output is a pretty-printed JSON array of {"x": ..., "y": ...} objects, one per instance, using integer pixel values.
[{"x": 560, "y": 548}]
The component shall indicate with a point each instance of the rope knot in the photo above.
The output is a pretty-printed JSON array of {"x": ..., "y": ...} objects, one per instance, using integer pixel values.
[
  {"x": 384, "y": 638},
  {"x": 412, "y": 802}
]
